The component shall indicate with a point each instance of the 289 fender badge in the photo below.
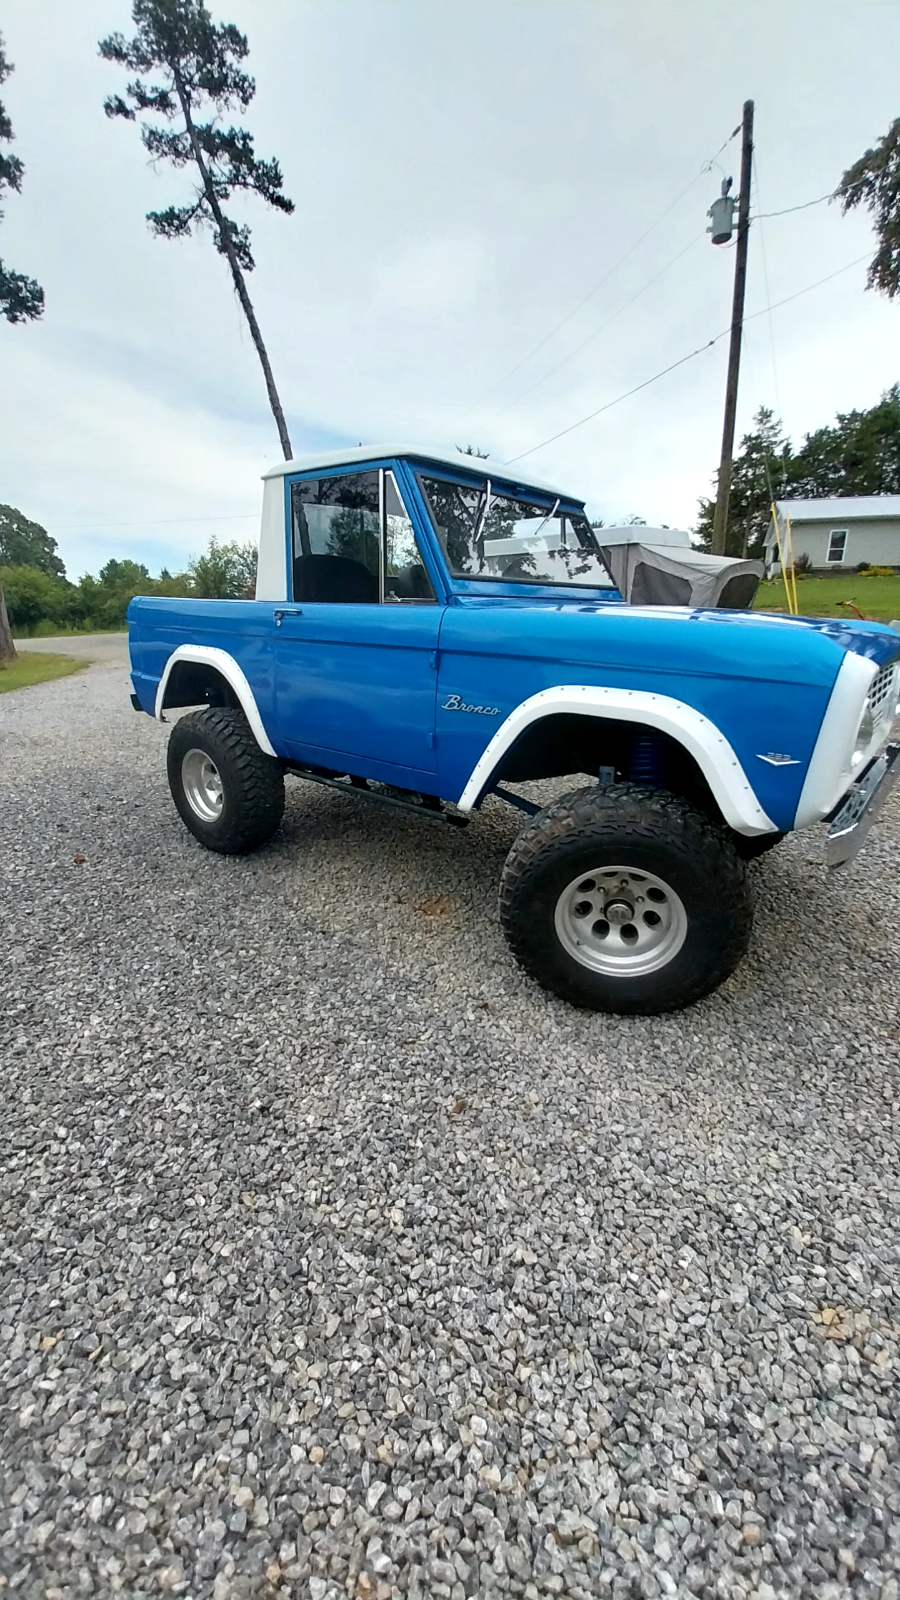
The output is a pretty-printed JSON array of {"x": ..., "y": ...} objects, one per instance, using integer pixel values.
[
  {"x": 454, "y": 703},
  {"x": 778, "y": 760}
]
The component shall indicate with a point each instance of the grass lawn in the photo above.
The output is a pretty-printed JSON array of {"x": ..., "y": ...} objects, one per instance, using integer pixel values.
[
  {"x": 877, "y": 598},
  {"x": 35, "y": 668}
]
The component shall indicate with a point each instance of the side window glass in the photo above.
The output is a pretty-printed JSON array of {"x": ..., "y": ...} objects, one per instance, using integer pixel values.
[
  {"x": 335, "y": 539},
  {"x": 405, "y": 577}
]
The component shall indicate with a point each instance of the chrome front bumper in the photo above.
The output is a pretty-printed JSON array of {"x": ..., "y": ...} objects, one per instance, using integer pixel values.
[{"x": 860, "y": 806}]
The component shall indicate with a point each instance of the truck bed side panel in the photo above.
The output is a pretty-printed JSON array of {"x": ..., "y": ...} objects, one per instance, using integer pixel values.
[{"x": 242, "y": 628}]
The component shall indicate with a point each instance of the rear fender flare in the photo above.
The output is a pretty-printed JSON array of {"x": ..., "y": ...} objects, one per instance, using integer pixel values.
[
  {"x": 233, "y": 675},
  {"x": 730, "y": 786}
]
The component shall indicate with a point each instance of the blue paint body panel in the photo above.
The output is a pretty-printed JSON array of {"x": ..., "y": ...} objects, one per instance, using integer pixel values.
[{"x": 365, "y": 688}]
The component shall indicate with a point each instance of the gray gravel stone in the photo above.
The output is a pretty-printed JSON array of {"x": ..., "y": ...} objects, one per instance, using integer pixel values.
[{"x": 339, "y": 1260}]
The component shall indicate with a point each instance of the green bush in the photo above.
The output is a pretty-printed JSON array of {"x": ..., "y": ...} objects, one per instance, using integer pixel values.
[
  {"x": 41, "y": 604},
  {"x": 33, "y": 596},
  {"x": 879, "y": 572},
  {"x": 45, "y": 629}
]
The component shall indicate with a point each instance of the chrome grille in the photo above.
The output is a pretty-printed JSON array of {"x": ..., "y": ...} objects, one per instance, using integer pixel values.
[{"x": 883, "y": 693}]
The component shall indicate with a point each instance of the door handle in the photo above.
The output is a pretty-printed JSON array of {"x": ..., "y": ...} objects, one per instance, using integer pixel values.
[{"x": 286, "y": 611}]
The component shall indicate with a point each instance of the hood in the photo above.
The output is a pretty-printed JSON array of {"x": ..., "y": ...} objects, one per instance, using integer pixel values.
[
  {"x": 875, "y": 640},
  {"x": 764, "y": 644}
]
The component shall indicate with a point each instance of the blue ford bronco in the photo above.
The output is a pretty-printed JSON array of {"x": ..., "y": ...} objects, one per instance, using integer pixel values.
[{"x": 430, "y": 629}]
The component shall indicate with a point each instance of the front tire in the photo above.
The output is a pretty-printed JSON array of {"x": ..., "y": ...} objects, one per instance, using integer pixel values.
[
  {"x": 626, "y": 899},
  {"x": 228, "y": 792}
]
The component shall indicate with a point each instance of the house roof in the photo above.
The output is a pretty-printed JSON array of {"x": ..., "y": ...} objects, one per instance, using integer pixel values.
[
  {"x": 843, "y": 508},
  {"x": 418, "y": 452}
]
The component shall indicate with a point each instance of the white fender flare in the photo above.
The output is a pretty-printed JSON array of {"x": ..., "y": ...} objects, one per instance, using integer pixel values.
[
  {"x": 231, "y": 672},
  {"x": 712, "y": 752}
]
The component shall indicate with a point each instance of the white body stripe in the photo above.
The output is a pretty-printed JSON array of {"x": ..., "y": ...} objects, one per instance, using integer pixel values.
[
  {"x": 828, "y": 775},
  {"x": 701, "y": 738},
  {"x": 226, "y": 664},
  {"x": 271, "y": 569}
]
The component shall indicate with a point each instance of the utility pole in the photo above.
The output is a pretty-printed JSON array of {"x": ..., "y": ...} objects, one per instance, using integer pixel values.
[{"x": 720, "y": 522}]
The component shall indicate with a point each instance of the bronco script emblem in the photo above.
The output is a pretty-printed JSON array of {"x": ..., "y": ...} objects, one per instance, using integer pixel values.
[{"x": 453, "y": 703}]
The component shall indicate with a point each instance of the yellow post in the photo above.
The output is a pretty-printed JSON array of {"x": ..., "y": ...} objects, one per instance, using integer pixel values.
[
  {"x": 786, "y": 559},
  {"x": 795, "y": 608}
]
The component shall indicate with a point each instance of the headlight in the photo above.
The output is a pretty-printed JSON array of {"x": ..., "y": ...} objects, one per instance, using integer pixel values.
[{"x": 864, "y": 735}]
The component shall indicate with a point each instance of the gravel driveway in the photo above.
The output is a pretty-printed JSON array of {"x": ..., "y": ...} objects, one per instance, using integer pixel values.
[
  {"x": 110, "y": 648},
  {"x": 340, "y": 1260}
]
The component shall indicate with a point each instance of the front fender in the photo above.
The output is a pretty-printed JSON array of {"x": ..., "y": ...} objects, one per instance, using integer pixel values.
[{"x": 730, "y": 786}]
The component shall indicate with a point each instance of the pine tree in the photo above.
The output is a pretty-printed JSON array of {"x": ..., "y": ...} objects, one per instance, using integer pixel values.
[
  {"x": 21, "y": 299},
  {"x": 760, "y": 474},
  {"x": 197, "y": 79},
  {"x": 874, "y": 182}
]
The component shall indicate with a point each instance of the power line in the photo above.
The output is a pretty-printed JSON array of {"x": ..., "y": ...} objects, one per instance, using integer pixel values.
[
  {"x": 680, "y": 363},
  {"x": 610, "y": 403},
  {"x": 725, "y": 142},
  {"x": 796, "y": 295},
  {"x": 473, "y": 409},
  {"x": 788, "y": 209},
  {"x": 597, "y": 332}
]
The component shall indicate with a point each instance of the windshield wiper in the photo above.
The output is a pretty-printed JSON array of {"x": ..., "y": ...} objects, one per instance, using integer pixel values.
[{"x": 541, "y": 525}]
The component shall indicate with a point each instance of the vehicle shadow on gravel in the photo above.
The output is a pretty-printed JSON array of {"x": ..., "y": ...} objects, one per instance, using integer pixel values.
[{"x": 431, "y": 891}]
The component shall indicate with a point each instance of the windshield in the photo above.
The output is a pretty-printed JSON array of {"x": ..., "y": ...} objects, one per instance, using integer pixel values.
[{"x": 489, "y": 535}]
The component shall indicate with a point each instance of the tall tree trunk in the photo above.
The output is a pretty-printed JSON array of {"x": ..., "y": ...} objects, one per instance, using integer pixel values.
[
  {"x": 236, "y": 273},
  {"x": 7, "y": 648}
]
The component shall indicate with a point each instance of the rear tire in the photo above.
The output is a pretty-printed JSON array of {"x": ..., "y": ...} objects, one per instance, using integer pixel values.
[
  {"x": 227, "y": 791},
  {"x": 626, "y": 899}
]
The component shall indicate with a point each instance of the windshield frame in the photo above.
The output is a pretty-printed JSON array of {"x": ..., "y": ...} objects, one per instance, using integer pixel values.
[{"x": 551, "y": 505}]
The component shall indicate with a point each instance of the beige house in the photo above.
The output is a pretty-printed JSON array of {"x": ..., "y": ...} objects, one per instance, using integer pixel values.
[{"x": 841, "y": 533}]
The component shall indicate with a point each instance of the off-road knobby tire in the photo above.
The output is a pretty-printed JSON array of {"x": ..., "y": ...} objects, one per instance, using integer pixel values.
[
  {"x": 649, "y": 830},
  {"x": 253, "y": 782}
]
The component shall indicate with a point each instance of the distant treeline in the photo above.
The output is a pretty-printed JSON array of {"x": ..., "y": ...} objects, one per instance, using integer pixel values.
[
  {"x": 40, "y": 598},
  {"x": 857, "y": 454}
]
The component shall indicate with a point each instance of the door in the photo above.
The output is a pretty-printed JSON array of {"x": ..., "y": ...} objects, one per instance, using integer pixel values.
[{"x": 356, "y": 646}]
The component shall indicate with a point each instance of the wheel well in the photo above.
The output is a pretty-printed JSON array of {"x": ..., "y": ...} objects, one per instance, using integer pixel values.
[
  {"x": 566, "y": 744},
  {"x": 193, "y": 683}
]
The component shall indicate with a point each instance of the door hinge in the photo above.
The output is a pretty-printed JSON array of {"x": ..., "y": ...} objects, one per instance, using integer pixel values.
[{"x": 433, "y": 660}]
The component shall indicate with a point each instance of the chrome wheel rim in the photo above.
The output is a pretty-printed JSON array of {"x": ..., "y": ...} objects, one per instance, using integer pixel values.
[
  {"x": 202, "y": 785},
  {"x": 620, "y": 922}
]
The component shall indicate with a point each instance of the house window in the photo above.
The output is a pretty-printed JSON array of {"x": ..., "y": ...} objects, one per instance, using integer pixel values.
[{"x": 837, "y": 544}]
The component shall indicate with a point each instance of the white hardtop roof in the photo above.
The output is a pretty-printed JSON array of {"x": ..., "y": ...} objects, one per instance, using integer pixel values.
[
  {"x": 841, "y": 508},
  {"x": 639, "y": 533},
  {"x": 418, "y": 452}
]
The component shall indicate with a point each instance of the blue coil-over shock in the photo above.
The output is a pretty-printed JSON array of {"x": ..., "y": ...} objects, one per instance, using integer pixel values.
[{"x": 647, "y": 763}]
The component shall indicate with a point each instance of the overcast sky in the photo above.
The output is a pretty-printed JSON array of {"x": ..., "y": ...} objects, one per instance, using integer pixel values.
[{"x": 464, "y": 173}]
